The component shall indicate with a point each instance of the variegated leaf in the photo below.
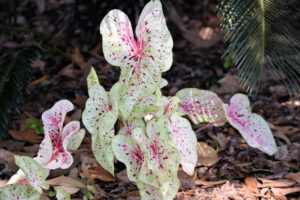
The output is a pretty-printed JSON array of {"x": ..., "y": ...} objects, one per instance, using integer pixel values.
[
  {"x": 170, "y": 105},
  {"x": 163, "y": 158},
  {"x": 129, "y": 126},
  {"x": 141, "y": 60},
  {"x": 149, "y": 192},
  {"x": 76, "y": 139},
  {"x": 147, "y": 105},
  {"x": 252, "y": 127},
  {"x": 34, "y": 172},
  {"x": 103, "y": 151},
  {"x": 18, "y": 192},
  {"x": 201, "y": 106},
  {"x": 52, "y": 154},
  {"x": 130, "y": 154},
  {"x": 185, "y": 141},
  {"x": 62, "y": 194}
]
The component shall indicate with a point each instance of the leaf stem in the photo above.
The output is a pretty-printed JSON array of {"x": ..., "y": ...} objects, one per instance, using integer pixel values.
[
  {"x": 79, "y": 150},
  {"x": 207, "y": 126}
]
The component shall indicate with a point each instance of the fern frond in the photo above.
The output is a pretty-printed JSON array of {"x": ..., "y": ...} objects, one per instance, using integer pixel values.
[
  {"x": 15, "y": 75},
  {"x": 261, "y": 34}
]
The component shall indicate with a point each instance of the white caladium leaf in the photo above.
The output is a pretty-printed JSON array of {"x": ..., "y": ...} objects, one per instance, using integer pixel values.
[
  {"x": 129, "y": 126},
  {"x": 203, "y": 105},
  {"x": 147, "y": 105},
  {"x": 163, "y": 83},
  {"x": 34, "y": 172},
  {"x": 76, "y": 139},
  {"x": 53, "y": 151},
  {"x": 252, "y": 127},
  {"x": 99, "y": 117},
  {"x": 185, "y": 141},
  {"x": 130, "y": 154},
  {"x": 19, "y": 192},
  {"x": 163, "y": 158},
  {"x": 149, "y": 192},
  {"x": 62, "y": 194},
  {"x": 141, "y": 60}
]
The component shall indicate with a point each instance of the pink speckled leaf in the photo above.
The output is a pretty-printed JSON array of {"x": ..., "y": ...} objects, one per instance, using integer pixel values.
[
  {"x": 129, "y": 126},
  {"x": 53, "y": 152},
  {"x": 34, "y": 172},
  {"x": 149, "y": 192},
  {"x": 170, "y": 105},
  {"x": 252, "y": 127},
  {"x": 62, "y": 194},
  {"x": 18, "y": 192},
  {"x": 147, "y": 105},
  {"x": 163, "y": 158},
  {"x": 99, "y": 117},
  {"x": 185, "y": 141},
  {"x": 130, "y": 154},
  {"x": 141, "y": 60},
  {"x": 203, "y": 105}
]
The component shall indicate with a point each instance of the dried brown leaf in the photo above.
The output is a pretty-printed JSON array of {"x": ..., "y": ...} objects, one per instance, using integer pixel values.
[
  {"x": 285, "y": 191},
  {"x": 276, "y": 183},
  {"x": 28, "y": 135},
  {"x": 209, "y": 183},
  {"x": 65, "y": 181},
  {"x": 207, "y": 155},
  {"x": 293, "y": 176}
]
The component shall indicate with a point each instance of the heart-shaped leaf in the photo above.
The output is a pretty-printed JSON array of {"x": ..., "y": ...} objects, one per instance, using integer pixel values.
[{"x": 252, "y": 127}]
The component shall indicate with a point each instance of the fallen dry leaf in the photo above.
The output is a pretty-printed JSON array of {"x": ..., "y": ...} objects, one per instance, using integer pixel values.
[
  {"x": 285, "y": 191},
  {"x": 293, "y": 176},
  {"x": 186, "y": 182},
  {"x": 209, "y": 183},
  {"x": 39, "y": 80},
  {"x": 65, "y": 181},
  {"x": 28, "y": 135},
  {"x": 8, "y": 158},
  {"x": 100, "y": 174},
  {"x": 251, "y": 182},
  {"x": 207, "y": 155},
  {"x": 276, "y": 183},
  {"x": 123, "y": 176}
]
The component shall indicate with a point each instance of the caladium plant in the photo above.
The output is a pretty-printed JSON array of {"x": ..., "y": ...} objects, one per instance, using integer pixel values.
[
  {"x": 134, "y": 122},
  {"x": 142, "y": 60},
  {"x": 54, "y": 153}
]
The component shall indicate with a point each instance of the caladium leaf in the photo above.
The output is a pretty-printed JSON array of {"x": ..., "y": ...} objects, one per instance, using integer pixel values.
[
  {"x": 185, "y": 141},
  {"x": 252, "y": 127},
  {"x": 62, "y": 194},
  {"x": 99, "y": 117},
  {"x": 19, "y": 192},
  {"x": 203, "y": 105},
  {"x": 53, "y": 151},
  {"x": 170, "y": 105},
  {"x": 129, "y": 126},
  {"x": 163, "y": 158},
  {"x": 76, "y": 139},
  {"x": 34, "y": 172},
  {"x": 141, "y": 60},
  {"x": 130, "y": 154},
  {"x": 149, "y": 192},
  {"x": 147, "y": 105}
]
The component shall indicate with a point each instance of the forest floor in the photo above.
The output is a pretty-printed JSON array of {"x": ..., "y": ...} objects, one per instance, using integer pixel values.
[{"x": 227, "y": 168}]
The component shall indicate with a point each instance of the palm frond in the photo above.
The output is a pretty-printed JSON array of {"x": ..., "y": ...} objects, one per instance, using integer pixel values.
[
  {"x": 15, "y": 75},
  {"x": 261, "y": 33}
]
